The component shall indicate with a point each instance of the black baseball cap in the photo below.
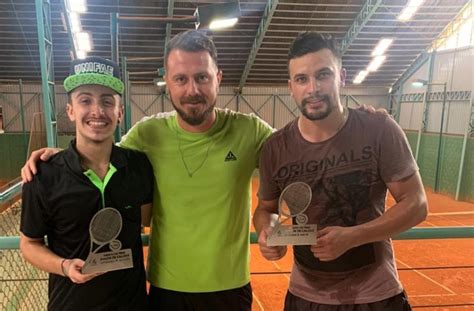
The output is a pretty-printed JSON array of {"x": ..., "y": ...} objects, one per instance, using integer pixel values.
[{"x": 94, "y": 70}]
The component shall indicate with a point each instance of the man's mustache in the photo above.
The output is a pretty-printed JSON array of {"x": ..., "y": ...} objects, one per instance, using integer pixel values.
[
  {"x": 193, "y": 99},
  {"x": 315, "y": 98}
]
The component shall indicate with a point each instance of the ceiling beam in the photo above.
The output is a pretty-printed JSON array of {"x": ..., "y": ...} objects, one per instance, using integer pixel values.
[
  {"x": 169, "y": 25},
  {"x": 362, "y": 18},
  {"x": 262, "y": 29},
  {"x": 420, "y": 60}
]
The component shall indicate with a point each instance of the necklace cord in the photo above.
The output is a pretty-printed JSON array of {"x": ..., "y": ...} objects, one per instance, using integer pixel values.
[{"x": 192, "y": 172}]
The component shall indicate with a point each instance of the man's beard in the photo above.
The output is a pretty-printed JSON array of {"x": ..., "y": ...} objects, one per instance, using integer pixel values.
[
  {"x": 320, "y": 114},
  {"x": 196, "y": 116}
]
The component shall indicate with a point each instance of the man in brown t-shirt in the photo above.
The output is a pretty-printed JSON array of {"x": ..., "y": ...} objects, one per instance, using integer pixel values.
[{"x": 349, "y": 158}]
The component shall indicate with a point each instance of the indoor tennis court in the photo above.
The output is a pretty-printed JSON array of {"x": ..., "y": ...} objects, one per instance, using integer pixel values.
[{"x": 413, "y": 59}]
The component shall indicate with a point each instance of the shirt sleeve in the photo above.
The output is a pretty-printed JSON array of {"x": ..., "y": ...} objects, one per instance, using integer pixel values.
[
  {"x": 132, "y": 139},
  {"x": 34, "y": 217},
  {"x": 264, "y": 130},
  {"x": 268, "y": 189},
  {"x": 396, "y": 159}
]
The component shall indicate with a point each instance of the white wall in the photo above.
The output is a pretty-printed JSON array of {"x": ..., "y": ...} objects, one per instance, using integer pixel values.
[{"x": 453, "y": 67}]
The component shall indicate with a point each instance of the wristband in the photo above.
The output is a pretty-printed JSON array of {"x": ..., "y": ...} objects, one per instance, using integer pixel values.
[{"x": 62, "y": 267}]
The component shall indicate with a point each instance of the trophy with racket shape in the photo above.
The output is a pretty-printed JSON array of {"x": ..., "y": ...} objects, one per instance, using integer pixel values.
[
  {"x": 104, "y": 229},
  {"x": 293, "y": 202}
]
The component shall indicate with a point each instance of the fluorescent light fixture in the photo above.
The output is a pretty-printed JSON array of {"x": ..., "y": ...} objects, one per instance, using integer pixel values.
[
  {"x": 223, "y": 23},
  {"x": 375, "y": 63},
  {"x": 360, "y": 77},
  {"x": 159, "y": 82},
  {"x": 75, "y": 22},
  {"x": 83, "y": 41},
  {"x": 419, "y": 83},
  {"x": 382, "y": 46},
  {"x": 81, "y": 54},
  {"x": 78, "y": 6},
  {"x": 409, "y": 10},
  {"x": 224, "y": 14}
]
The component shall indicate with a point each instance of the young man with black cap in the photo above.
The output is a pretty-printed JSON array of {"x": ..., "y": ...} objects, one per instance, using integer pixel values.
[{"x": 89, "y": 176}]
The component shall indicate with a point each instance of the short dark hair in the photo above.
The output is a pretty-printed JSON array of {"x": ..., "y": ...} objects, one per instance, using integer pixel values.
[
  {"x": 310, "y": 42},
  {"x": 191, "y": 41}
]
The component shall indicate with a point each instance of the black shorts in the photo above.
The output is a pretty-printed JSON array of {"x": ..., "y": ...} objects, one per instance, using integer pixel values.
[
  {"x": 395, "y": 303},
  {"x": 238, "y": 299}
]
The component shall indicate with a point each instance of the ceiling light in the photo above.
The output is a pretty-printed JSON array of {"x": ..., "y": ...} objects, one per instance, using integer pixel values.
[
  {"x": 223, "y": 23},
  {"x": 375, "y": 63},
  {"x": 360, "y": 77},
  {"x": 409, "y": 10},
  {"x": 419, "y": 83},
  {"x": 382, "y": 46},
  {"x": 159, "y": 82},
  {"x": 81, "y": 54},
  {"x": 83, "y": 41},
  {"x": 78, "y": 6},
  {"x": 224, "y": 14},
  {"x": 75, "y": 22}
]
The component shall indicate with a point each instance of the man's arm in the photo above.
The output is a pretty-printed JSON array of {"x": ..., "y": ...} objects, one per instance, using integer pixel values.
[
  {"x": 30, "y": 169},
  {"x": 35, "y": 252},
  {"x": 264, "y": 218},
  {"x": 411, "y": 209}
]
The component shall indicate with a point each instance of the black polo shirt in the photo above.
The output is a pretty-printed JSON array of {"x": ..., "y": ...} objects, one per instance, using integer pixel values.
[{"x": 60, "y": 203}]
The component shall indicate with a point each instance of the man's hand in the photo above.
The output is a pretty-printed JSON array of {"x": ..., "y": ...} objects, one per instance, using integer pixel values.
[
  {"x": 29, "y": 169},
  {"x": 332, "y": 242},
  {"x": 72, "y": 269},
  {"x": 371, "y": 109},
  {"x": 270, "y": 252}
]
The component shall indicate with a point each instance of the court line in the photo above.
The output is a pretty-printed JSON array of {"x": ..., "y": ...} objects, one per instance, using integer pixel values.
[
  {"x": 444, "y": 295},
  {"x": 398, "y": 269},
  {"x": 445, "y": 219},
  {"x": 427, "y": 277},
  {"x": 443, "y": 306},
  {"x": 451, "y": 213},
  {"x": 426, "y": 222},
  {"x": 279, "y": 269},
  {"x": 259, "y": 303}
]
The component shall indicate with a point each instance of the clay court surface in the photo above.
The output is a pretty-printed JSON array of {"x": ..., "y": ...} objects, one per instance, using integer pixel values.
[{"x": 436, "y": 274}]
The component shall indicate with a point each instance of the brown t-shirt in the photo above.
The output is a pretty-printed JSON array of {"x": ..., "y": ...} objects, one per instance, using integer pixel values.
[{"x": 348, "y": 174}]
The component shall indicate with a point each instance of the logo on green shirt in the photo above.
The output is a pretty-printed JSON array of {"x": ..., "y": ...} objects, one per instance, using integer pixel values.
[{"x": 230, "y": 157}]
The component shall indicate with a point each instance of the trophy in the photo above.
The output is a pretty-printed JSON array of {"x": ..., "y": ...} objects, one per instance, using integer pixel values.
[
  {"x": 104, "y": 228},
  {"x": 293, "y": 201}
]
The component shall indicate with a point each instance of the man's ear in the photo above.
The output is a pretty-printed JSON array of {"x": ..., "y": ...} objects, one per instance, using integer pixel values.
[
  {"x": 219, "y": 76},
  {"x": 342, "y": 76},
  {"x": 70, "y": 112},
  {"x": 289, "y": 87},
  {"x": 120, "y": 111}
]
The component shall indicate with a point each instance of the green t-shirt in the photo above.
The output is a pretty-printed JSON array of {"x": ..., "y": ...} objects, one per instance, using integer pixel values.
[{"x": 202, "y": 199}]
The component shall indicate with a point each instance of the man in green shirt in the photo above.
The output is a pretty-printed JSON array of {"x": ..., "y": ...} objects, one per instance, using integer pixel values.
[{"x": 203, "y": 159}]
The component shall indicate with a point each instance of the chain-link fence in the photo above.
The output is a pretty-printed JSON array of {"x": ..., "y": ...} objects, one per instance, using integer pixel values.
[{"x": 22, "y": 287}]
